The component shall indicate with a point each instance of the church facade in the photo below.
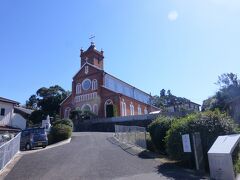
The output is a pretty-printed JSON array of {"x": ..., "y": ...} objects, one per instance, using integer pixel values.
[{"x": 95, "y": 90}]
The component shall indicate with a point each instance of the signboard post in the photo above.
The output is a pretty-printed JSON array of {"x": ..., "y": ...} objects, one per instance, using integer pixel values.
[{"x": 198, "y": 153}]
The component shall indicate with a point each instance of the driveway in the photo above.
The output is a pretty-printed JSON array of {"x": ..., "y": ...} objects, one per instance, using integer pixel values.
[{"x": 91, "y": 156}]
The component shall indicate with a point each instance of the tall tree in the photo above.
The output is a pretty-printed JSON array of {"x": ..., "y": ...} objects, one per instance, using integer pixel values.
[
  {"x": 31, "y": 103},
  {"x": 46, "y": 101},
  {"x": 169, "y": 92},
  {"x": 229, "y": 88},
  {"x": 162, "y": 93}
]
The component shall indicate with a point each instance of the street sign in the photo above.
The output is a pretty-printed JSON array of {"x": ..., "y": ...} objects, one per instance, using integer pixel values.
[{"x": 186, "y": 143}]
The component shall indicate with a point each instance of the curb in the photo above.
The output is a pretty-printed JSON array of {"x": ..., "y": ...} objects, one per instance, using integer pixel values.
[
  {"x": 129, "y": 148},
  {"x": 48, "y": 147}
]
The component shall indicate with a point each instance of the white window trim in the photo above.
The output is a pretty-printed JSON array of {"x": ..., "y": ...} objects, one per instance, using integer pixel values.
[
  {"x": 78, "y": 88},
  {"x": 86, "y": 70},
  {"x": 107, "y": 102},
  {"x": 123, "y": 107},
  {"x": 139, "y": 110},
  {"x": 86, "y": 105},
  {"x": 67, "y": 112},
  {"x": 95, "y": 109},
  {"x": 94, "y": 84},
  {"x": 132, "y": 109},
  {"x": 145, "y": 111}
]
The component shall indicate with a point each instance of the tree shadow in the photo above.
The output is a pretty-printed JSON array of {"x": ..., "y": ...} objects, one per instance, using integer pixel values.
[
  {"x": 148, "y": 155},
  {"x": 172, "y": 170}
]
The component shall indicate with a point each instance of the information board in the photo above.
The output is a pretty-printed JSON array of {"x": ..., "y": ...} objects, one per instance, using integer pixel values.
[{"x": 186, "y": 143}]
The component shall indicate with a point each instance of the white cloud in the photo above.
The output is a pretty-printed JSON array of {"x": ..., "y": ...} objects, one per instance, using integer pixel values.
[{"x": 172, "y": 15}]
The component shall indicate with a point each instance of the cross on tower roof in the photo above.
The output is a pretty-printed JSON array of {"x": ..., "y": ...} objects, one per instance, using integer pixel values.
[{"x": 91, "y": 38}]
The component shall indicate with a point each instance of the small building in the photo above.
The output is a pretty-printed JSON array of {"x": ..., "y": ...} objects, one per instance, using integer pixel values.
[
  {"x": 187, "y": 106},
  {"x": 93, "y": 89},
  {"x": 7, "y": 116}
]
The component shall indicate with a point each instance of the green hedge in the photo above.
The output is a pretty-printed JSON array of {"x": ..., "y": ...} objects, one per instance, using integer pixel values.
[
  {"x": 209, "y": 124},
  {"x": 67, "y": 122},
  {"x": 61, "y": 130},
  {"x": 158, "y": 130}
]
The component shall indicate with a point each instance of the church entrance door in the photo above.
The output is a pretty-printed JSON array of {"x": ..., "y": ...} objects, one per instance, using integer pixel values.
[{"x": 109, "y": 110}]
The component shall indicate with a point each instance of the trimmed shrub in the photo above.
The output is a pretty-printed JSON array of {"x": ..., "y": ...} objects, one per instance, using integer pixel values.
[
  {"x": 67, "y": 122},
  {"x": 209, "y": 124},
  {"x": 158, "y": 130},
  {"x": 60, "y": 132}
]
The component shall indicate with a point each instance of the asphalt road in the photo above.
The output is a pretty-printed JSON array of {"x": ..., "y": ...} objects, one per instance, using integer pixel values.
[{"x": 91, "y": 156}]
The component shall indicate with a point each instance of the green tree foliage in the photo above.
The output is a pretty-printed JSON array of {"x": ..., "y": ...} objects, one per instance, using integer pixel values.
[
  {"x": 47, "y": 101},
  {"x": 167, "y": 99},
  {"x": 209, "y": 124},
  {"x": 162, "y": 93},
  {"x": 37, "y": 116},
  {"x": 81, "y": 115},
  {"x": 67, "y": 122},
  {"x": 31, "y": 103},
  {"x": 61, "y": 129},
  {"x": 158, "y": 130},
  {"x": 229, "y": 88}
]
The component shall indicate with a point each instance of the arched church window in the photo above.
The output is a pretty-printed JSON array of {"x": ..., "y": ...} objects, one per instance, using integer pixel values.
[
  {"x": 108, "y": 108},
  {"x": 78, "y": 88},
  {"x": 123, "y": 107},
  {"x": 95, "y": 109},
  {"x": 145, "y": 111},
  {"x": 86, "y": 84},
  {"x": 94, "y": 84},
  {"x": 139, "y": 110},
  {"x": 86, "y": 107},
  {"x": 86, "y": 69},
  {"x": 67, "y": 112},
  {"x": 132, "y": 108}
]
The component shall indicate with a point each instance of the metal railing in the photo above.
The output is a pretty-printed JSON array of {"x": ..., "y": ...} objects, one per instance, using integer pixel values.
[
  {"x": 8, "y": 150},
  {"x": 131, "y": 134},
  {"x": 125, "y": 118}
]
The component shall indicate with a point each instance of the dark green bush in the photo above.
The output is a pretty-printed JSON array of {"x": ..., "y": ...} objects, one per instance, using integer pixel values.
[
  {"x": 150, "y": 145},
  {"x": 209, "y": 124},
  {"x": 37, "y": 116},
  {"x": 158, "y": 130},
  {"x": 67, "y": 122},
  {"x": 60, "y": 132}
]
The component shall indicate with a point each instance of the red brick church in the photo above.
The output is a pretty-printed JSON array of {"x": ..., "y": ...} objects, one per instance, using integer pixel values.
[{"x": 95, "y": 90}]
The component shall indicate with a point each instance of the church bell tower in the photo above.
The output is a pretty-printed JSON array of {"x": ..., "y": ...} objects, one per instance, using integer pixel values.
[{"x": 92, "y": 56}]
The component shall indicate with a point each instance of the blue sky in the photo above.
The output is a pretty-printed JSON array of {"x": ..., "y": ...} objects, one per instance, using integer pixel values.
[{"x": 178, "y": 45}]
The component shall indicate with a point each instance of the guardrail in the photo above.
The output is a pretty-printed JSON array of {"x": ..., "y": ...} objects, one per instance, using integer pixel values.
[
  {"x": 131, "y": 134},
  {"x": 124, "y": 118},
  {"x": 8, "y": 150}
]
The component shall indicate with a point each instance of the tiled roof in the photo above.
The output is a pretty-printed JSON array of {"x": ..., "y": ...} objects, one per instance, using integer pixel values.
[
  {"x": 24, "y": 110},
  {"x": 8, "y": 100}
]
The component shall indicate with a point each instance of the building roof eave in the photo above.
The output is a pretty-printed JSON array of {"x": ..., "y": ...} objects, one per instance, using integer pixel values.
[
  {"x": 9, "y": 101},
  {"x": 66, "y": 99}
]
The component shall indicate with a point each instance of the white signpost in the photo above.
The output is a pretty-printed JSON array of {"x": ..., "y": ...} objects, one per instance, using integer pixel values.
[{"x": 186, "y": 143}]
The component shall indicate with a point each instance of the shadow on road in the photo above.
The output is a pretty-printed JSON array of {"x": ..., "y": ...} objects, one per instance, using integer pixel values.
[
  {"x": 171, "y": 170},
  {"x": 148, "y": 155}
]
